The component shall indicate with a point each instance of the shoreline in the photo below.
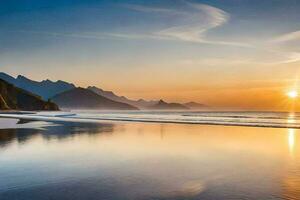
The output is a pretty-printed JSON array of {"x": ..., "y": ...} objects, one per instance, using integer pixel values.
[{"x": 73, "y": 118}]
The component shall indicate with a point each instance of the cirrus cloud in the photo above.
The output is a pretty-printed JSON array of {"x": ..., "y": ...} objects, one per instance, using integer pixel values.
[
  {"x": 287, "y": 37},
  {"x": 191, "y": 23}
]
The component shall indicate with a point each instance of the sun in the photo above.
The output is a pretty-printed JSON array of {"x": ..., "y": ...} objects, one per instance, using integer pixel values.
[{"x": 292, "y": 94}]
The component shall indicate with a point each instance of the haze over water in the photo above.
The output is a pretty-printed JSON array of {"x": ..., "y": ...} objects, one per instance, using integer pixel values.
[{"x": 147, "y": 161}]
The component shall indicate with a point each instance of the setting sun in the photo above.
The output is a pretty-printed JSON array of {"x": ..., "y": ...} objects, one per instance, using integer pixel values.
[{"x": 292, "y": 94}]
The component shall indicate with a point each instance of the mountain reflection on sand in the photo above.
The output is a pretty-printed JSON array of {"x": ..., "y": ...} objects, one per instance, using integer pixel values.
[{"x": 48, "y": 130}]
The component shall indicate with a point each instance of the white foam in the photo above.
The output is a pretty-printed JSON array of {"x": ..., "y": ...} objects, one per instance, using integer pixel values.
[{"x": 277, "y": 120}]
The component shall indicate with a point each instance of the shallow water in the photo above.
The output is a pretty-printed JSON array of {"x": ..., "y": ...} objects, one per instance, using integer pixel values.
[
  {"x": 142, "y": 161},
  {"x": 255, "y": 119}
]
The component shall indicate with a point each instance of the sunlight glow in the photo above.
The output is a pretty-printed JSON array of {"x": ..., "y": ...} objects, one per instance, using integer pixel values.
[{"x": 292, "y": 94}]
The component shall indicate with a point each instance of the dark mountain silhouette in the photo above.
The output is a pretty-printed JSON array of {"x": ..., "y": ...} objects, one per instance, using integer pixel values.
[
  {"x": 195, "y": 105},
  {"x": 80, "y": 98},
  {"x": 46, "y": 88},
  {"x": 15, "y": 98},
  {"x": 141, "y": 103},
  {"x": 162, "y": 105}
]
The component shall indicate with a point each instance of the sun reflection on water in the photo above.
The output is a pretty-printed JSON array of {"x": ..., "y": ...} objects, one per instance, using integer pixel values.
[
  {"x": 291, "y": 139},
  {"x": 291, "y": 181},
  {"x": 291, "y": 133},
  {"x": 291, "y": 118}
]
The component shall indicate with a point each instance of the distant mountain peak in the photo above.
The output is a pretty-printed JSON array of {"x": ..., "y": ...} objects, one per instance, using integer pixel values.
[
  {"x": 48, "y": 81},
  {"x": 21, "y": 77},
  {"x": 162, "y": 105},
  {"x": 81, "y": 98},
  {"x": 161, "y": 101},
  {"x": 110, "y": 95}
]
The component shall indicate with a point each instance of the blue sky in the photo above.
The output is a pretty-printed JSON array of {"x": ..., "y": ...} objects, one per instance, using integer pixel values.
[{"x": 153, "y": 49}]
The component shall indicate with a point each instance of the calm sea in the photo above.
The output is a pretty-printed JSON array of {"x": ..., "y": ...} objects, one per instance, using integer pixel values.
[{"x": 83, "y": 155}]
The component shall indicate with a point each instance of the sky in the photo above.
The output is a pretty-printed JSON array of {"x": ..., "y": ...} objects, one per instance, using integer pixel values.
[{"x": 234, "y": 54}]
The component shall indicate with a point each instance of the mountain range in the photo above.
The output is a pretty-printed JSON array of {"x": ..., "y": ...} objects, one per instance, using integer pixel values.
[
  {"x": 13, "y": 98},
  {"x": 48, "y": 89},
  {"x": 81, "y": 98},
  {"x": 45, "y": 89},
  {"x": 162, "y": 105},
  {"x": 141, "y": 103}
]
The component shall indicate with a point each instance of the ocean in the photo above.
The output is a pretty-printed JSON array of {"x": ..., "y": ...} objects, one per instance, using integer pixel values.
[{"x": 149, "y": 155}]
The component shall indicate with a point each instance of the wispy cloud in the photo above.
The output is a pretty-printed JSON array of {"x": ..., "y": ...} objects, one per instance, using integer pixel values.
[
  {"x": 291, "y": 57},
  {"x": 287, "y": 37},
  {"x": 150, "y": 9},
  {"x": 86, "y": 35},
  {"x": 196, "y": 29},
  {"x": 193, "y": 21},
  {"x": 285, "y": 40}
]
